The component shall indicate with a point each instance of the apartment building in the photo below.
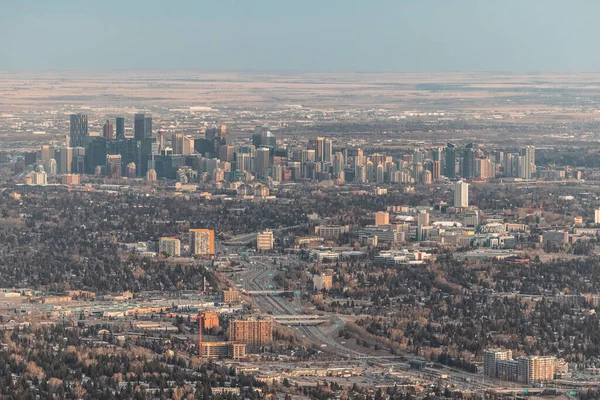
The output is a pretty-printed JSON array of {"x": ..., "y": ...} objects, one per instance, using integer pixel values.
[{"x": 253, "y": 332}]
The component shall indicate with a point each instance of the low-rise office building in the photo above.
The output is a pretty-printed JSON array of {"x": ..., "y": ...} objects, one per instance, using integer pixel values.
[
  {"x": 170, "y": 246},
  {"x": 223, "y": 350}
]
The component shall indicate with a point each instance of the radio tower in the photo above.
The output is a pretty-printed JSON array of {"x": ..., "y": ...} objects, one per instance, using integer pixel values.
[{"x": 200, "y": 328}]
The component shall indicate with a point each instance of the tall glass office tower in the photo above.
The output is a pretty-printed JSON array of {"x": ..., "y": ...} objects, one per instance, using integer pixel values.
[{"x": 79, "y": 134}]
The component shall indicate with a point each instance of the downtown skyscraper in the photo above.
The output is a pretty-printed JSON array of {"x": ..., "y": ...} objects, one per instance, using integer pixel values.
[
  {"x": 120, "y": 125},
  {"x": 450, "y": 164},
  {"x": 108, "y": 130},
  {"x": 78, "y": 132},
  {"x": 142, "y": 127},
  {"x": 142, "y": 133}
]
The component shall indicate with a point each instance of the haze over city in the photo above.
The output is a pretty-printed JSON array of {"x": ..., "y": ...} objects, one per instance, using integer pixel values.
[
  {"x": 299, "y": 200},
  {"x": 331, "y": 36}
]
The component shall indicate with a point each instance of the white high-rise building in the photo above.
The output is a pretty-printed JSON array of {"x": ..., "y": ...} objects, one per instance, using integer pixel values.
[
  {"x": 327, "y": 150},
  {"x": 527, "y": 162},
  {"x": 39, "y": 177},
  {"x": 338, "y": 162},
  {"x": 379, "y": 175},
  {"x": 461, "y": 194},
  {"x": 51, "y": 167},
  {"x": 597, "y": 216}
]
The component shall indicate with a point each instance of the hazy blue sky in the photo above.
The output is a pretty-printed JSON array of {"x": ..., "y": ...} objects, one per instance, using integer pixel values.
[{"x": 320, "y": 35}]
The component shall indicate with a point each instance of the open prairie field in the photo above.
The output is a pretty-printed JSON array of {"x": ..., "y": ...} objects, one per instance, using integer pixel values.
[{"x": 554, "y": 95}]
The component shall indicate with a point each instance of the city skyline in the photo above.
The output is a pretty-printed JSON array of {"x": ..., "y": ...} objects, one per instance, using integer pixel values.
[
  {"x": 262, "y": 234},
  {"x": 185, "y": 215}
]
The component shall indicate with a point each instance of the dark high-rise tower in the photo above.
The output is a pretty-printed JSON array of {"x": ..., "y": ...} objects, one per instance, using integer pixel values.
[
  {"x": 450, "y": 165},
  {"x": 142, "y": 127},
  {"x": 108, "y": 130},
  {"x": 120, "y": 128},
  {"x": 217, "y": 137},
  {"x": 138, "y": 126},
  {"x": 468, "y": 161},
  {"x": 148, "y": 127},
  {"x": 79, "y": 134},
  {"x": 96, "y": 154}
]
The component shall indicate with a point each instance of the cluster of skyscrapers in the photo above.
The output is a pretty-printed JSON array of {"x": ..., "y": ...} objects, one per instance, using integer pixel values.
[
  {"x": 111, "y": 154},
  {"x": 156, "y": 154},
  {"x": 472, "y": 162}
]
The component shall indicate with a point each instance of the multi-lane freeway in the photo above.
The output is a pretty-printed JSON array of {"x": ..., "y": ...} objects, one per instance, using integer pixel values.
[{"x": 258, "y": 277}]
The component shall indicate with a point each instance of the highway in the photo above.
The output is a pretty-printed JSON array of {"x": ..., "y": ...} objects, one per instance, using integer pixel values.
[{"x": 259, "y": 277}]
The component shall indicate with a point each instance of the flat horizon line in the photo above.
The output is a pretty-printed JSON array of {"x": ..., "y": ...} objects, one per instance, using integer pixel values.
[{"x": 289, "y": 71}]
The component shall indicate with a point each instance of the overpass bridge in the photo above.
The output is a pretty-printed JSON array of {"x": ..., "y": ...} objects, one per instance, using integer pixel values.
[
  {"x": 248, "y": 238},
  {"x": 524, "y": 390},
  {"x": 269, "y": 292},
  {"x": 299, "y": 320}
]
